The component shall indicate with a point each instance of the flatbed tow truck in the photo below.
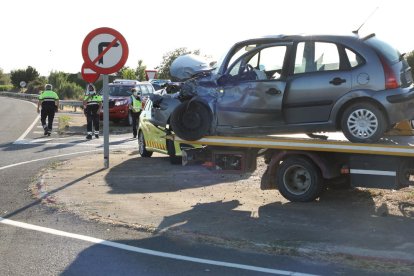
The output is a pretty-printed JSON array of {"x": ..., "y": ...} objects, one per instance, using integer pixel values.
[{"x": 300, "y": 167}]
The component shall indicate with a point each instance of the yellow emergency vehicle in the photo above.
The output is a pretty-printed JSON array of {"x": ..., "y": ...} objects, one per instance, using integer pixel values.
[{"x": 153, "y": 138}]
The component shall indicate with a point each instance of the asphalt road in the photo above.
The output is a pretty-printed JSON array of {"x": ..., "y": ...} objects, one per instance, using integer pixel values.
[{"x": 99, "y": 249}]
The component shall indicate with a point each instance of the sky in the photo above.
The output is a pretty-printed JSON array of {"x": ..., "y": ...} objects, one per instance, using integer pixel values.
[{"x": 48, "y": 34}]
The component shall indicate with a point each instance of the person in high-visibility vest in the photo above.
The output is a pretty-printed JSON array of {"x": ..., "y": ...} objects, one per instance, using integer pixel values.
[
  {"x": 93, "y": 104},
  {"x": 49, "y": 101},
  {"x": 135, "y": 106}
]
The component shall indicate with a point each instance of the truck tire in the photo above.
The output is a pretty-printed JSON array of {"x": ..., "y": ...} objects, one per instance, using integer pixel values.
[
  {"x": 363, "y": 123},
  {"x": 299, "y": 179},
  {"x": 191, "y": 120},
  {"x": 406, "y": 173},
  {"x": 142, "y": 149}
]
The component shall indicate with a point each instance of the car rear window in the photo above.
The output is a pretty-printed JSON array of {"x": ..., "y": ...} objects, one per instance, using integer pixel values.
[{"x": 389, "y": 52}]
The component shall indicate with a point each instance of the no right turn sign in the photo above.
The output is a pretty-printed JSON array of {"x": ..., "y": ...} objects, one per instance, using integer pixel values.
[{"x": 104, "y": 50}]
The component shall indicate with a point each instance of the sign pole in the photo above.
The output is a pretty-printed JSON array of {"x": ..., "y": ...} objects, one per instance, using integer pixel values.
[
  {"x": 106, "y": 120},
  {"x": 104, "y": 51}
]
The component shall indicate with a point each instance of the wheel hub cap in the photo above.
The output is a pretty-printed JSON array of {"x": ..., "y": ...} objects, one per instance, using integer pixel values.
[{"x": 362, "y": 123}]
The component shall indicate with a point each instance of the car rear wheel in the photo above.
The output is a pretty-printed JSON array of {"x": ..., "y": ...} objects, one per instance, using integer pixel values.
[
  {"x": 363, "y": 123},
  {"x": 191, "y": 120},
  {"x": 142, "y": 149},
  {"x": 299, "y": 179}
]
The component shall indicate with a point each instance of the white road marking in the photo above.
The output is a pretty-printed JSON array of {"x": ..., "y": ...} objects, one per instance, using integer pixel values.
[
  {"x": 146, "y": 251},
  {"x": 30, "y": 127},
  {"x": 45, "y": 158},
  {"x": 21, "y": 140}
]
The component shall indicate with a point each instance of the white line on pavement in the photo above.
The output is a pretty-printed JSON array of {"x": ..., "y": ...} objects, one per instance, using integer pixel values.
[
  {"x": 146, "y": 251},
  {"x": 29, "y": 128},
  {"x": 45, "y": 158}
]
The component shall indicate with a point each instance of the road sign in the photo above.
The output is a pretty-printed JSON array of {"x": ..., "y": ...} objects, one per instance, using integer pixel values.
[
  {"x": 23, "y": 84},
  {"x": 150, "y": 74},
  {"x": 104, "y": 50},
  {"x": 89, "y": 75}
]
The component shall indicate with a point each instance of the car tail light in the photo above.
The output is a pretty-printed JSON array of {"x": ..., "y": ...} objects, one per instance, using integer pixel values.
[{"x": 390, "y": 77}]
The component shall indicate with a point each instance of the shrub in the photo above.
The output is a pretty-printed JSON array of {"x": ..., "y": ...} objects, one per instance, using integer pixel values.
[
  {"x": 70, "y": 91},
  {"x": 6, "y": 87}
]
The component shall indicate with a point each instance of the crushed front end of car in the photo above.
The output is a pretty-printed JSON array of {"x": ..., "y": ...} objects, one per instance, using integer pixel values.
[{"x": 187, "y": 105}]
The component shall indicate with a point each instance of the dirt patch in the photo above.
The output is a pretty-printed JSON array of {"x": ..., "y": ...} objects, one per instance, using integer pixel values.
[{"x": 359, "y": 226}]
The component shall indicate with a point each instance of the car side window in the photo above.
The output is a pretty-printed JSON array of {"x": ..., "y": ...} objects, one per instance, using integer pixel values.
[
  {"x": 150, "y": 88},
  {"x": 354, "y": 59},
  {"x": 138, "y": 90},
  {"x": 266, "y": 64},
  {"x": 316, "y": 56},
  {"x": 144, "y": 90}
]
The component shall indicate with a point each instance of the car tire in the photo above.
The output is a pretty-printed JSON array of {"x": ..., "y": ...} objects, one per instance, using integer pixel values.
[
  {"x": 299, "y": 179},
  {"x": 191, "y": 120},
  {"x": 363, "y": 123},
  {"x": 174, "y": 159},
  {"x": 142, "y": 148}
]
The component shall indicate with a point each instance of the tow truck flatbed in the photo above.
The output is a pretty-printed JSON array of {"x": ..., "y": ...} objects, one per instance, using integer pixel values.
[
  {"x": 300, "y": 166},
  {"x": 392, "y": 145}
]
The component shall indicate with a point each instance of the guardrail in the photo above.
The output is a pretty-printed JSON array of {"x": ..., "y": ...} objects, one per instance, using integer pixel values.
[{"x": 34, "y": 97}]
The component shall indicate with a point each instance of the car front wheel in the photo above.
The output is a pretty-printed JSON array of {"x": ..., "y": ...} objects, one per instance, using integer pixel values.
[
  {"x": 142, "y": 149},
  {"x": 191, "y": 120},
  {"x": 363, "y": 123}
]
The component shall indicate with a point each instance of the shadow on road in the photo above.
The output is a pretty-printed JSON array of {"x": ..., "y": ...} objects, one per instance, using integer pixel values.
[
  {"x": 156, "y": 175},
  {"x": 47, "y": 195}
]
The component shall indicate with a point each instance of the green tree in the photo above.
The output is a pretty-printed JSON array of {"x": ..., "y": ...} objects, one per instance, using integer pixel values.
[
  {"x": 126, "y": 73},
  {"x": 37, "y": 85},
  {"x": 140, "y": 71},
  {"x": 168, "y": 58},
  {"x": 58, "y": 79},
  {"x": 28, "y": 75},
  {"x": 17, "y": 76},
  {"x": 65, "y": 88},
  {"x": 31, "y": 74},
  {"x": 410, "y": 60},
  {"x": 4, "y": 78},
  {"x": 70, "y": 90}
]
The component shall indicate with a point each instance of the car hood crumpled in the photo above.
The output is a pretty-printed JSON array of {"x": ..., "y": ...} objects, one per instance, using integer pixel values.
[{"x": 187, "y": 66}]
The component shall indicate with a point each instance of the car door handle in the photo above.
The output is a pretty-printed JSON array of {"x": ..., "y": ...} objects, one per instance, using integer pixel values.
[
  {"x": 273, "y": 91},
  {"x": 337, "y": 81}
]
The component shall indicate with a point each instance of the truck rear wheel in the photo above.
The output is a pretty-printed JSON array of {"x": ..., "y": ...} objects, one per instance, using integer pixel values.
[
  {"x": 299, "y": 179},
  {"x": 406, "y": 173}
]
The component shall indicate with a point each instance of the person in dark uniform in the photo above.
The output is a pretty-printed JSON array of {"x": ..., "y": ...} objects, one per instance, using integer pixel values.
[
  {"x": 92, "y": 103},
  {"x": 135, "y": 109},
  {"x": 49, "y": 101}
]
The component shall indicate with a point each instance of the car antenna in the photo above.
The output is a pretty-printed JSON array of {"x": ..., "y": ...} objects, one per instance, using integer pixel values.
[{"x": 372, "y": 13}]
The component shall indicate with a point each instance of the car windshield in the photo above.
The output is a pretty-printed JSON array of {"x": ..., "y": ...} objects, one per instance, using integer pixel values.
[{"x": 120, "y": 90}]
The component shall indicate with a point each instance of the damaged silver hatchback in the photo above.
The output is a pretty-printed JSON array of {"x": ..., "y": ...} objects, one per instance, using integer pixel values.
[{"x": 291, "y": 84}]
